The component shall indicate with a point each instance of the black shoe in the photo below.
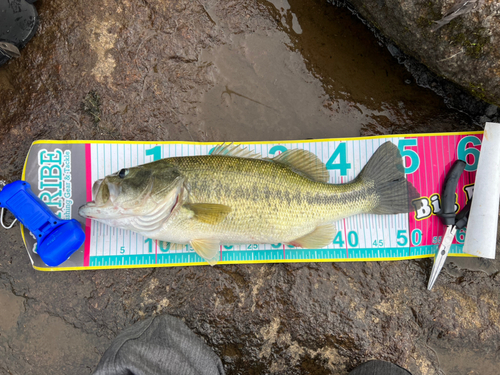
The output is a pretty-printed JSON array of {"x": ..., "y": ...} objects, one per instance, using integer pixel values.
[{"x": 18, "y": 24}]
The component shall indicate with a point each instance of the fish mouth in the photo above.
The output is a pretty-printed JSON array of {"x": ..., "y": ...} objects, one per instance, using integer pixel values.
[
  {"x": 86, "y": 209},
  {"x": 96, "y": 187},
  {"x": 105, "y": 191},
  {"x": 102, "y": 206},
  {"x": 94, "y": 210}
]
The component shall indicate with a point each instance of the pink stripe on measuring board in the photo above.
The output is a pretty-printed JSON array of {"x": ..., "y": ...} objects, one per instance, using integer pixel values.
[
  {"x": 345, "y": 228},
  {"x": 88, "y": 222},
  {"x": 438, "y": 153}
]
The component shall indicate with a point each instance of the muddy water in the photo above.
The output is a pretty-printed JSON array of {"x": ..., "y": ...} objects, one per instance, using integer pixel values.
[{"x": 464, "y": 361}]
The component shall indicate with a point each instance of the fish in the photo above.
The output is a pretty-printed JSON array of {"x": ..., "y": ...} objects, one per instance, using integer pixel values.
[{"x": 235, "y": 196}]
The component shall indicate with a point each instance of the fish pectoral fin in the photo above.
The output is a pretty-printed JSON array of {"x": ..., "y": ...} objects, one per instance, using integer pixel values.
[
  {"x": 208, "y": 212},
  {"x": 305, "y": 163},
  {"x": 320, "y": 237},
  {"x": 207, "y": 249}
]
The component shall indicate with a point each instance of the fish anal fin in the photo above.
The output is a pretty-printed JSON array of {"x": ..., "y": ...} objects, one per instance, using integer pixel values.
[
  {"x": 305, "y": 163},
  {"x": 209, "y": 213},
  {"x": 207, "y": 249},
  {"x": 236, "y": 151},
  {"x": 320, "y": 237}
]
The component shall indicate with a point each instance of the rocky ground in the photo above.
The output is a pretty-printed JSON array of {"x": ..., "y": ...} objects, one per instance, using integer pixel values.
[{"x": 208, "y": 71}]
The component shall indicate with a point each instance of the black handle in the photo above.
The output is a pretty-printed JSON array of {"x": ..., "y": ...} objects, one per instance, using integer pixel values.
[
  {"x": 447, "y": 213},
  {"x": 463, "y": 216}
]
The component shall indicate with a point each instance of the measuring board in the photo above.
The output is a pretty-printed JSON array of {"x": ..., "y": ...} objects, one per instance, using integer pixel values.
[{"x": 62, "y": 173}]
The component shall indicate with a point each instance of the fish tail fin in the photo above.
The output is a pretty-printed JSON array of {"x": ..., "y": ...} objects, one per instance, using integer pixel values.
[{"x": 386, "y": 170}]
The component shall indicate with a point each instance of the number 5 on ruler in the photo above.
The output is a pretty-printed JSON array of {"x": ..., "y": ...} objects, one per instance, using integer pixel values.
[
  {"x": 412, "y": 155},
  {"x": 402, "y": 238}
]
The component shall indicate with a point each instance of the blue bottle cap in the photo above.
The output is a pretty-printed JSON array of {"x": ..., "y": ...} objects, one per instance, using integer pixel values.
[{"x": 63, "y": 241}]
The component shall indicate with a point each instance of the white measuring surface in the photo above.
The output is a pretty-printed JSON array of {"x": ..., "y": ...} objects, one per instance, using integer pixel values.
[{"x": 62, "y": 174}]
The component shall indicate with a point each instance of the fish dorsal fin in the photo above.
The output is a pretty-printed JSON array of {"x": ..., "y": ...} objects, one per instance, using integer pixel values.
[
  {"x": 207, "y": 249},
  {"x": 305, "y": 163},
  {"x": 320, "y": 237},
  {"x": 236, "y": 151},
  {"x": 208, "y": 212}
]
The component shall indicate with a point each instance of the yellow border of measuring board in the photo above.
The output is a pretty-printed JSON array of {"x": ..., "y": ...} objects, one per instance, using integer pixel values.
[{"x": 238, "y": 143}]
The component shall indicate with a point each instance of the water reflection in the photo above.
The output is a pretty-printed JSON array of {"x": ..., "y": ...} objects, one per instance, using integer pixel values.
[
  {"x": 319, "y": 73},
  {"x": 265, "y": 91}
]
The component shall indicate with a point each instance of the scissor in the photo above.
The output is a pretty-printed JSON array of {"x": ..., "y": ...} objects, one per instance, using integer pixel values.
[
  {"x": 449, "y": 217},
  {"x": 9, "y": 49}
]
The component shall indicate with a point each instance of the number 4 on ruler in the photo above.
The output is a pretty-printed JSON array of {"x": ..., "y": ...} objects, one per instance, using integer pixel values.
[{"x": 341, "y": 153}]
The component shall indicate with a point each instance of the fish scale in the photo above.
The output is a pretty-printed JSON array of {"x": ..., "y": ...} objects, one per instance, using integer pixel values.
[{"x": 286, "y": 212}]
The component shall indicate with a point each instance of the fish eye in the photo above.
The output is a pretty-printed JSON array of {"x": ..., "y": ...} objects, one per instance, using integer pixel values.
[{"x": 123, "y": 172}]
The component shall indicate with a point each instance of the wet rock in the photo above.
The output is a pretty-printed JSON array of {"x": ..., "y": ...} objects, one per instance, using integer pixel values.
[{"x": 456, "y": 39}]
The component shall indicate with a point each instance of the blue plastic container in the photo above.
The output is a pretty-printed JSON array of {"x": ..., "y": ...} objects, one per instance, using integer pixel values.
[{"x": 57, "y": 239}]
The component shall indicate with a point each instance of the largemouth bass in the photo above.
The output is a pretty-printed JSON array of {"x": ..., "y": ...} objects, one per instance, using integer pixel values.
[{"x": 235, "y": 196}]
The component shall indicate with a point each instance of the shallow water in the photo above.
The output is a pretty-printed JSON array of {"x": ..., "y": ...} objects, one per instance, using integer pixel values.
[
  {"x": 465, "y": 360},
  {"x": 319, "y": 74}
]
